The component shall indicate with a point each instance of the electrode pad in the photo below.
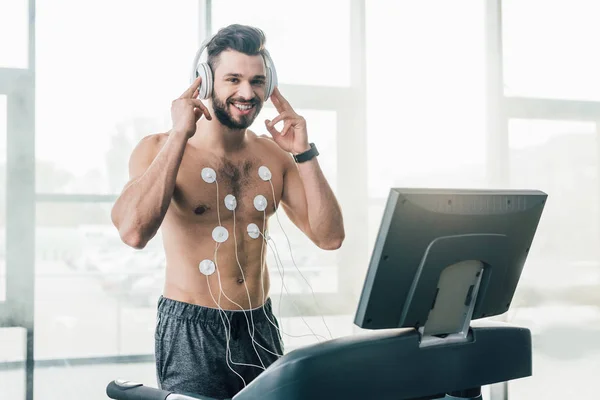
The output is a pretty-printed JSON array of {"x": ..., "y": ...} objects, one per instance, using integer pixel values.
[
  {"x": 264, "y": 173},
  {"x": 230, "y": 202},
  {"x": 253, "y": 231},
  {"x": 209, "y": 175},
  {"x": 220, "y": 234},
  {"x": 207, "y": 267},
  {"x": 260, "y": 202}
]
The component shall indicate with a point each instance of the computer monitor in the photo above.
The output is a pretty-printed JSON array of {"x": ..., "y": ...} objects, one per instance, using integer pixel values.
[{"x": 443, "y": 257}]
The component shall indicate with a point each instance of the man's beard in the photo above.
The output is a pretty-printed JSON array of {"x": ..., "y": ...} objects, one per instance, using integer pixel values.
[{"x": 221, "y": 111}]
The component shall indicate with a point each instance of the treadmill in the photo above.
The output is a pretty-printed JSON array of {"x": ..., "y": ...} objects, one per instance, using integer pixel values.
[{"x": 444, "y": 261}]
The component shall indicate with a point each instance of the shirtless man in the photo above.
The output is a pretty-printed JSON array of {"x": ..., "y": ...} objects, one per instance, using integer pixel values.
[{"x": 167, "y": 190}]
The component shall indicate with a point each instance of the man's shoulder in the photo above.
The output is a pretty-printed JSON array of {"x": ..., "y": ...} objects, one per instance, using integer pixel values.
[
  {"x": 269, "y": 145},
  {"x": 153, "y": 141},
  {"x": 149, "y": 145},
  {"x": 253, "y": 135},
  {"x": 271, "y": 149}
]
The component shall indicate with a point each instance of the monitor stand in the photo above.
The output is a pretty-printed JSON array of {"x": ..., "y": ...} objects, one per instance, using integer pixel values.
[
  {"x": 450, "y": 316},
  {"x": 452, "y": 308}
]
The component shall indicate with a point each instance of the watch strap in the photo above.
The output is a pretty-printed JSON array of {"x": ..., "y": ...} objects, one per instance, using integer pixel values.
[{"x": 307, "y": 155}]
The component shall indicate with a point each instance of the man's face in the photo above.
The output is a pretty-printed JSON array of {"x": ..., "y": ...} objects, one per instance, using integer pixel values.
[{"x": 239, "y": 88}]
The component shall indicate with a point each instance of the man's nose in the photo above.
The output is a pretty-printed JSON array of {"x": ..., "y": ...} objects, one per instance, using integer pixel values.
[{"x": 245, "y": 91}]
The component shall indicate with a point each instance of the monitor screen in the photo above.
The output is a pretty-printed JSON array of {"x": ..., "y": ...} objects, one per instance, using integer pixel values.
[{"x": 449, "y": 239}]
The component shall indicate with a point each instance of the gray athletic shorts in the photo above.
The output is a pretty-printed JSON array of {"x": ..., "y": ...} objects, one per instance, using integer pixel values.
[{"x": 190, "y": 347}]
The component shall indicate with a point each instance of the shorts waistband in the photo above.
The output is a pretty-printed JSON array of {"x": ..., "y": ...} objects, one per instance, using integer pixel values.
[{"x": 203, "y": 314}]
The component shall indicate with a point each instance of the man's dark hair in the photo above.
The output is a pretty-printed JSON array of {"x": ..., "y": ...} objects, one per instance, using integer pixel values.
[{"x": 242, "y": 38}]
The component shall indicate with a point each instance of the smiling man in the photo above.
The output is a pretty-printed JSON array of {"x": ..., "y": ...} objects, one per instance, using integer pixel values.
[{"x": 199, "y": 183}]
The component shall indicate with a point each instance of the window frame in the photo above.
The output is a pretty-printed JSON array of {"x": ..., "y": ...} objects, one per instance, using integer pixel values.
[{"x": 17, "y": 311}]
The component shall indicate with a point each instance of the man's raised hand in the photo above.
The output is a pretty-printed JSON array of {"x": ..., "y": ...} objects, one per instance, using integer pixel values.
[
  {"x": 293, "y": 137},
  {"x": 187, "y": 110}
]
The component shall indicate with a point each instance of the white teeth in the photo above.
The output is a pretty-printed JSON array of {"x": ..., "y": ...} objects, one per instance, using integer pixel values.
[{"x": 243, "y": 107}]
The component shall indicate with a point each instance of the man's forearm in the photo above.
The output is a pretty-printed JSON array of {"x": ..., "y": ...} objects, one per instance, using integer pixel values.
[{"x": 324, "y": 212}]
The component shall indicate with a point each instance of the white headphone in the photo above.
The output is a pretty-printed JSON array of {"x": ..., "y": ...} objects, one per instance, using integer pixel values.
[{"x": 203, "y": 70}]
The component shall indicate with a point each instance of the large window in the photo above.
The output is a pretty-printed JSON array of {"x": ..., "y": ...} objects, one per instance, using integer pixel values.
[
  {"x": 550, "y": 49},
  {"x": 94, "y": 295},
  {"x": 549, "y": 56},
  {"x": 558, "y": 296},
  {"x": 105, "y": 78},
  {"x": 13, "y": 34},
  {"x": 425, "y": 98},
  {"x": 560, "y": 158},
  {"x": 106, "y": 72},
  {"x": 308, "y": 40}
]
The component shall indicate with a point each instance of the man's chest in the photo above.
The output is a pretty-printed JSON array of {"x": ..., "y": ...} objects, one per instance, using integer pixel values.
[{"x": 249, "y": 186}]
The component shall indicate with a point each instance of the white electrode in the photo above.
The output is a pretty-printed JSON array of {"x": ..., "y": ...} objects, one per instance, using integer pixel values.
[
  {"x": 230, "y": 202},
  {"x": 209, "y": 175},
  {"x": 264, "y": 173},
  {"x": 260, "y": 202},
  {"x": 207, "y": 267},
  {"x": 253, "y": 231},
  {"x": 220, "y": 234}
]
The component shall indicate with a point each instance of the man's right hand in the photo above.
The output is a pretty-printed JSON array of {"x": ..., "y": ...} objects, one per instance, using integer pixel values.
[{"x": 187, "y": 110}]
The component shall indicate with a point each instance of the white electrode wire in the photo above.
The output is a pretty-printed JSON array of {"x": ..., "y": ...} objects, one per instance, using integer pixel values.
[
  {"x": 218, "y": 204},
  {"x": 293, "y": 261},
  {"x": 250, "y": 331},
  {"x": 262, "y": 280},
  {"x": 276, "y": 255},
  {"x": 229, "y": 322},
  {"x": 218, "y": 303},
  {"x": 221, "y": 312}
]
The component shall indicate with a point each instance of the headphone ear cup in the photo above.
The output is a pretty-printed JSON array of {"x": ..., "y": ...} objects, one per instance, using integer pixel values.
[
  {"x": 207, "y": 81},
  {"x": 271, "y": 82}
]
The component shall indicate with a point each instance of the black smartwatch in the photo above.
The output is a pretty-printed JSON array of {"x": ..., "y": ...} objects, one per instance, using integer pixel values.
[{"x": 307, "y": 155}]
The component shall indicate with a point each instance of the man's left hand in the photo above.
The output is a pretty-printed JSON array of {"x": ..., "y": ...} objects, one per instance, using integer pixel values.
[{"x": 293, "y": 137}]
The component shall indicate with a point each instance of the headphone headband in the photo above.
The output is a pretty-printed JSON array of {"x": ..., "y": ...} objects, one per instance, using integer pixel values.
[{"x": 204, "y": 70}]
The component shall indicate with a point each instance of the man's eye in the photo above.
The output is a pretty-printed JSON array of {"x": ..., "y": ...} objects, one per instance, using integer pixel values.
[{"x": 234, "y": 80}]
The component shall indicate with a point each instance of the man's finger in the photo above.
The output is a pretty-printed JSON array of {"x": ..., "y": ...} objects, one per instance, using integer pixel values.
[
  {"x": 286, "y": 128},
  {"x": 197, "y": 103},
  {"x": 189, "y": 91},
  {"x": 278, "y": 118},
  {"x": 279, "y": 100},
  {"x": 277, "y": 104},
  {"x": 271, "y": 128}
]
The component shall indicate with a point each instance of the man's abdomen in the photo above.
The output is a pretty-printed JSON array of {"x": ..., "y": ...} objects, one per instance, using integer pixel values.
[{"x": 234, "y": 279}]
